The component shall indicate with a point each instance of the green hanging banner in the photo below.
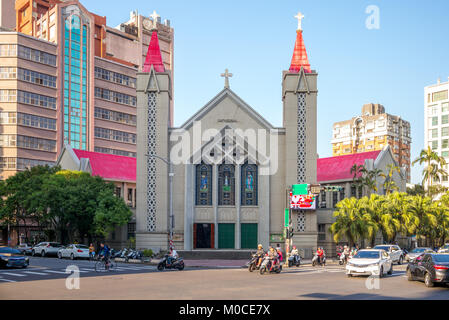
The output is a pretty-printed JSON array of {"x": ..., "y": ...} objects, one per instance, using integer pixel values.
[{"x": 287, "y": 218}]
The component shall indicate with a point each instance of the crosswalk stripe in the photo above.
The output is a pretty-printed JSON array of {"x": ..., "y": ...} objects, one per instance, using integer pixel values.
[
  {"x": 14, "y": 274},
  {"x": 54, "y": 271},
  {"x": 38, "y": 273},
  {"x": 88, "y": 270},
  {"x": 6, "y": 280},
  {"x": 79, "y": 270}
]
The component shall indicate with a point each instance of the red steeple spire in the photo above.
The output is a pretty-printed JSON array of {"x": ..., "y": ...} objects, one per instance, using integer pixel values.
[
  {"x": 300, "y": 55},
  {"x": 154, "y": 57}
]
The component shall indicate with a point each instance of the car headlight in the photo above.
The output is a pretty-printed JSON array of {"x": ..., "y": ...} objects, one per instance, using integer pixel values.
[{"x": 374, "y": 264}]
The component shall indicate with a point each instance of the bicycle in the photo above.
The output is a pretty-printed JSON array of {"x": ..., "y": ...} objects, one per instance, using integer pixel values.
[{"x": 102, "y": 266}]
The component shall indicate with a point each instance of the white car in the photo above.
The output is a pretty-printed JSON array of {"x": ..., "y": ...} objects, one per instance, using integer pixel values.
[
  {"x": 396, "y": 253},
  {"x": 74, "y": 251},
  {"x": 46, "y": 248},
  {"x": 370, "y": 262},
  {"x": 444, "y": 249}
]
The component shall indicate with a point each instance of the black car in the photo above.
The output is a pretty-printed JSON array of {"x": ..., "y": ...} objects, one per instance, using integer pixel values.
[
  {"x": 12, "y": 258},
  {"x": 431, "y": 268}
]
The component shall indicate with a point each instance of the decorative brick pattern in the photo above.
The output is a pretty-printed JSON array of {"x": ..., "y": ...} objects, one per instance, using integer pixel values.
[
  {"x": 302, "y": 138},
  {"x": 151, "y": 163},
  {"x": 301, "y": 221}
]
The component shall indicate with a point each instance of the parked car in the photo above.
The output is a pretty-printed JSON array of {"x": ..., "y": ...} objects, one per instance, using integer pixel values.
[
  {"x": 74, "y": 251},
  {"x": 370, "y": 262},
  {"x": 46, "y": 248},
  {"x": 24, "y": 249},
  {"x": 412, "y": 255},
  {"x": 12, "y": 258},
  {"x": 444, "y": 249},
  {"x": 431, "y": 268},
  {"x": 396, "y": 254}
]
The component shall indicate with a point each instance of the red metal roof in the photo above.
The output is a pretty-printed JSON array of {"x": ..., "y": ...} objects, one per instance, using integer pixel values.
[
  {"x": 154, "y": 57},
  {"x": 109, "y": 166},
  {"x": 300, "y": 55},
  {"x": 339, "y": 168}
]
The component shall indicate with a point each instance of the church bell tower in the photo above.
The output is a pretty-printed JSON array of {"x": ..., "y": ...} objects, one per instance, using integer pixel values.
[{"x": 154, "y": 94}]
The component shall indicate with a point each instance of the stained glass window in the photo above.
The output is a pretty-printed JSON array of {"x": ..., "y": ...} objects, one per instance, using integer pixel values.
[
  {"x": 203, "y": 185},
  {"x": 249, "y": 185},
  {"x": 226, "y": 185}
]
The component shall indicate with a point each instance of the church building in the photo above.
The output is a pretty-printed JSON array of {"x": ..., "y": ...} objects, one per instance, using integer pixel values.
[{"x": 222, "y": 180}]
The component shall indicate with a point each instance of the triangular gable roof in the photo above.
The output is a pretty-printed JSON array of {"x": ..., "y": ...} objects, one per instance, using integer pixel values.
[
  {"x": 339, "y": 168},
  {"x": 226, "y": 92},
  {"x": 108, "y": 166}
]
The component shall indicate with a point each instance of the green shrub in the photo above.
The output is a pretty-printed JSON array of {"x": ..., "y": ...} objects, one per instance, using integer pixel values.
[{"x": 148, "y": 253}]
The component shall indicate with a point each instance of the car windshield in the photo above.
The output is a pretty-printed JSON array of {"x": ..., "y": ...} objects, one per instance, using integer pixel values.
[
  {"x": 441, "y": 258},
  {"x": 367, "y": 255},
  {"x": 82, "y": 246},
  {"x": 386, "y": 248},
  {"x": 419, "y": 250},
  {"x": 9, "y": 250},
  {"x": 56, "y": 245}
]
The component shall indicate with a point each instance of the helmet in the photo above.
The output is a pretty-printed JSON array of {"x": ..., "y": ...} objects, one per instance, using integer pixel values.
[
  {"x": 260, "y": 246},
  {"x": 294, "y": 247}
]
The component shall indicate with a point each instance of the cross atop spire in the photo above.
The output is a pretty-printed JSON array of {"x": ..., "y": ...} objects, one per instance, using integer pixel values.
[
  {"x": 299, "y": 16},
  {"x": 154, "y": 16},
  {"x": 226, "y": 75}
]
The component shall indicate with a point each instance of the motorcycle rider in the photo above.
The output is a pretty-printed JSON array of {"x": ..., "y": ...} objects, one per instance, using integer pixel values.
[
  {"x": 259, "y": 253},
  {"x": 273, "y": 256},
  {"x": 346, "y": 253},
  {"x": 320, "y": 255},
  {"x": 172, "y": 256},
  {"x": 294, "y": 254}
]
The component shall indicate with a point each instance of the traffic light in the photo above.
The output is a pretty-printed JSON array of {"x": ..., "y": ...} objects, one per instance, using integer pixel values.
[{"x": 291, "y": 234}]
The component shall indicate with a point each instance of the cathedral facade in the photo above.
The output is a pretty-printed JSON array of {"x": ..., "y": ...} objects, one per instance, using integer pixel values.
[{"x": 222, "y": 180}]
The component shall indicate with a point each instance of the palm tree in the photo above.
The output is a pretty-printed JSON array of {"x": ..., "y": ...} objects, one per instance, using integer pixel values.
[
  {"x": 350, "y": 223},
  {"x": 442, "y": 219},
  {"x": 434, "y": 168},
  {"x": 372, "y": 211},
  {"x": 389, "y": 184},
  {"x": 370, "y": 178},
  {"x": 423, "y": 209}
]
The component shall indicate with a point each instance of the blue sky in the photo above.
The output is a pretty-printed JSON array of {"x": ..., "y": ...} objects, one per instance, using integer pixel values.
[{"x": 255, "y": 40}]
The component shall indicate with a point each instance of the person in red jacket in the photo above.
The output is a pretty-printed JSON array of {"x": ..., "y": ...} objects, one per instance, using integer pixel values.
[{"x": 320, "y": 254}]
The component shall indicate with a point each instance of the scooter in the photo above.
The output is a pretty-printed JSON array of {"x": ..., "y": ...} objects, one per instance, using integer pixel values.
[
  {"x": 178, "y": 263},
  {"x": 252, "y": 264},
  {"x": 343, "y": 258},
  {"x": 315, "y": 261},
  {"x": 267, "y": 266},
  {"x": 294, "y": 261}
]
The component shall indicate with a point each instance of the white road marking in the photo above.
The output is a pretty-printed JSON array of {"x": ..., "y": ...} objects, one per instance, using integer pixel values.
[
  {"x": 6, "y": 280},
  {"x": 38, "y": 273},
  {"x": 14, "y": 274},
  {"x": 54, "y": 271}
]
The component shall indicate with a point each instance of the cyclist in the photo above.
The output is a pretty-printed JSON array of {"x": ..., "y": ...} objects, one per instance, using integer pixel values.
[{"x": 104, "y": 253}]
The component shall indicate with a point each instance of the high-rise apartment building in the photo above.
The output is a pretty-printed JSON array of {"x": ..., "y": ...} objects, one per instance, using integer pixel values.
[
  {"x": 373, "y": 130},
  {"x": 436, "y": 120},
  {"x": 68, "y": 78},
  {"x": 7, "y": 16}
]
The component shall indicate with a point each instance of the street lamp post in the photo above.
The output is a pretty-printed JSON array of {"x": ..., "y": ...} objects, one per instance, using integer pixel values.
[{"x": 171, "y": 174}]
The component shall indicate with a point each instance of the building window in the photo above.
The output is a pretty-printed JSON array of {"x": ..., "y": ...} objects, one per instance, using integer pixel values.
[
  {"x": 114, "y": 135},
  {"x": 301, "y": 221},
  {"x": 8, "y": 50},
  {"x": 445, "y": 154},
  {"x": 445, "y": 107},
  {"x": 8, "y": 118},
  {"x": 131, "y": 230},
  {"x": 118, "y": 192},
  {"x": 116, "y": 152},
  {"x": 445, "y": 132},
  {"x": 203, "y": 185},
  {"x": 30, "y": 120},
  {"x": 226, "y": 185},
  {"x": 321, "y": 232},
  {"x": 36, "y": 100},
  {"x": 37, "y": 78},
  {"x": 434, "y": 121},
  {"x": 116, "y": 97},
  {"x": 433, "y": 133},
  {"x": 115, "y": 77},
  {"x": 445, "y": 144},
  {"x": 36, "y": 56},
  {"x": 445, "y": 119},
  {"x": 249, "y": 185},
  {"x": 115, "y": 116},
  {"x": 438, "y": 96},
  {"x": 334, "y": 199},
  {"x": 434, "y": 145},
  {"x": 8, "y": 73}
]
